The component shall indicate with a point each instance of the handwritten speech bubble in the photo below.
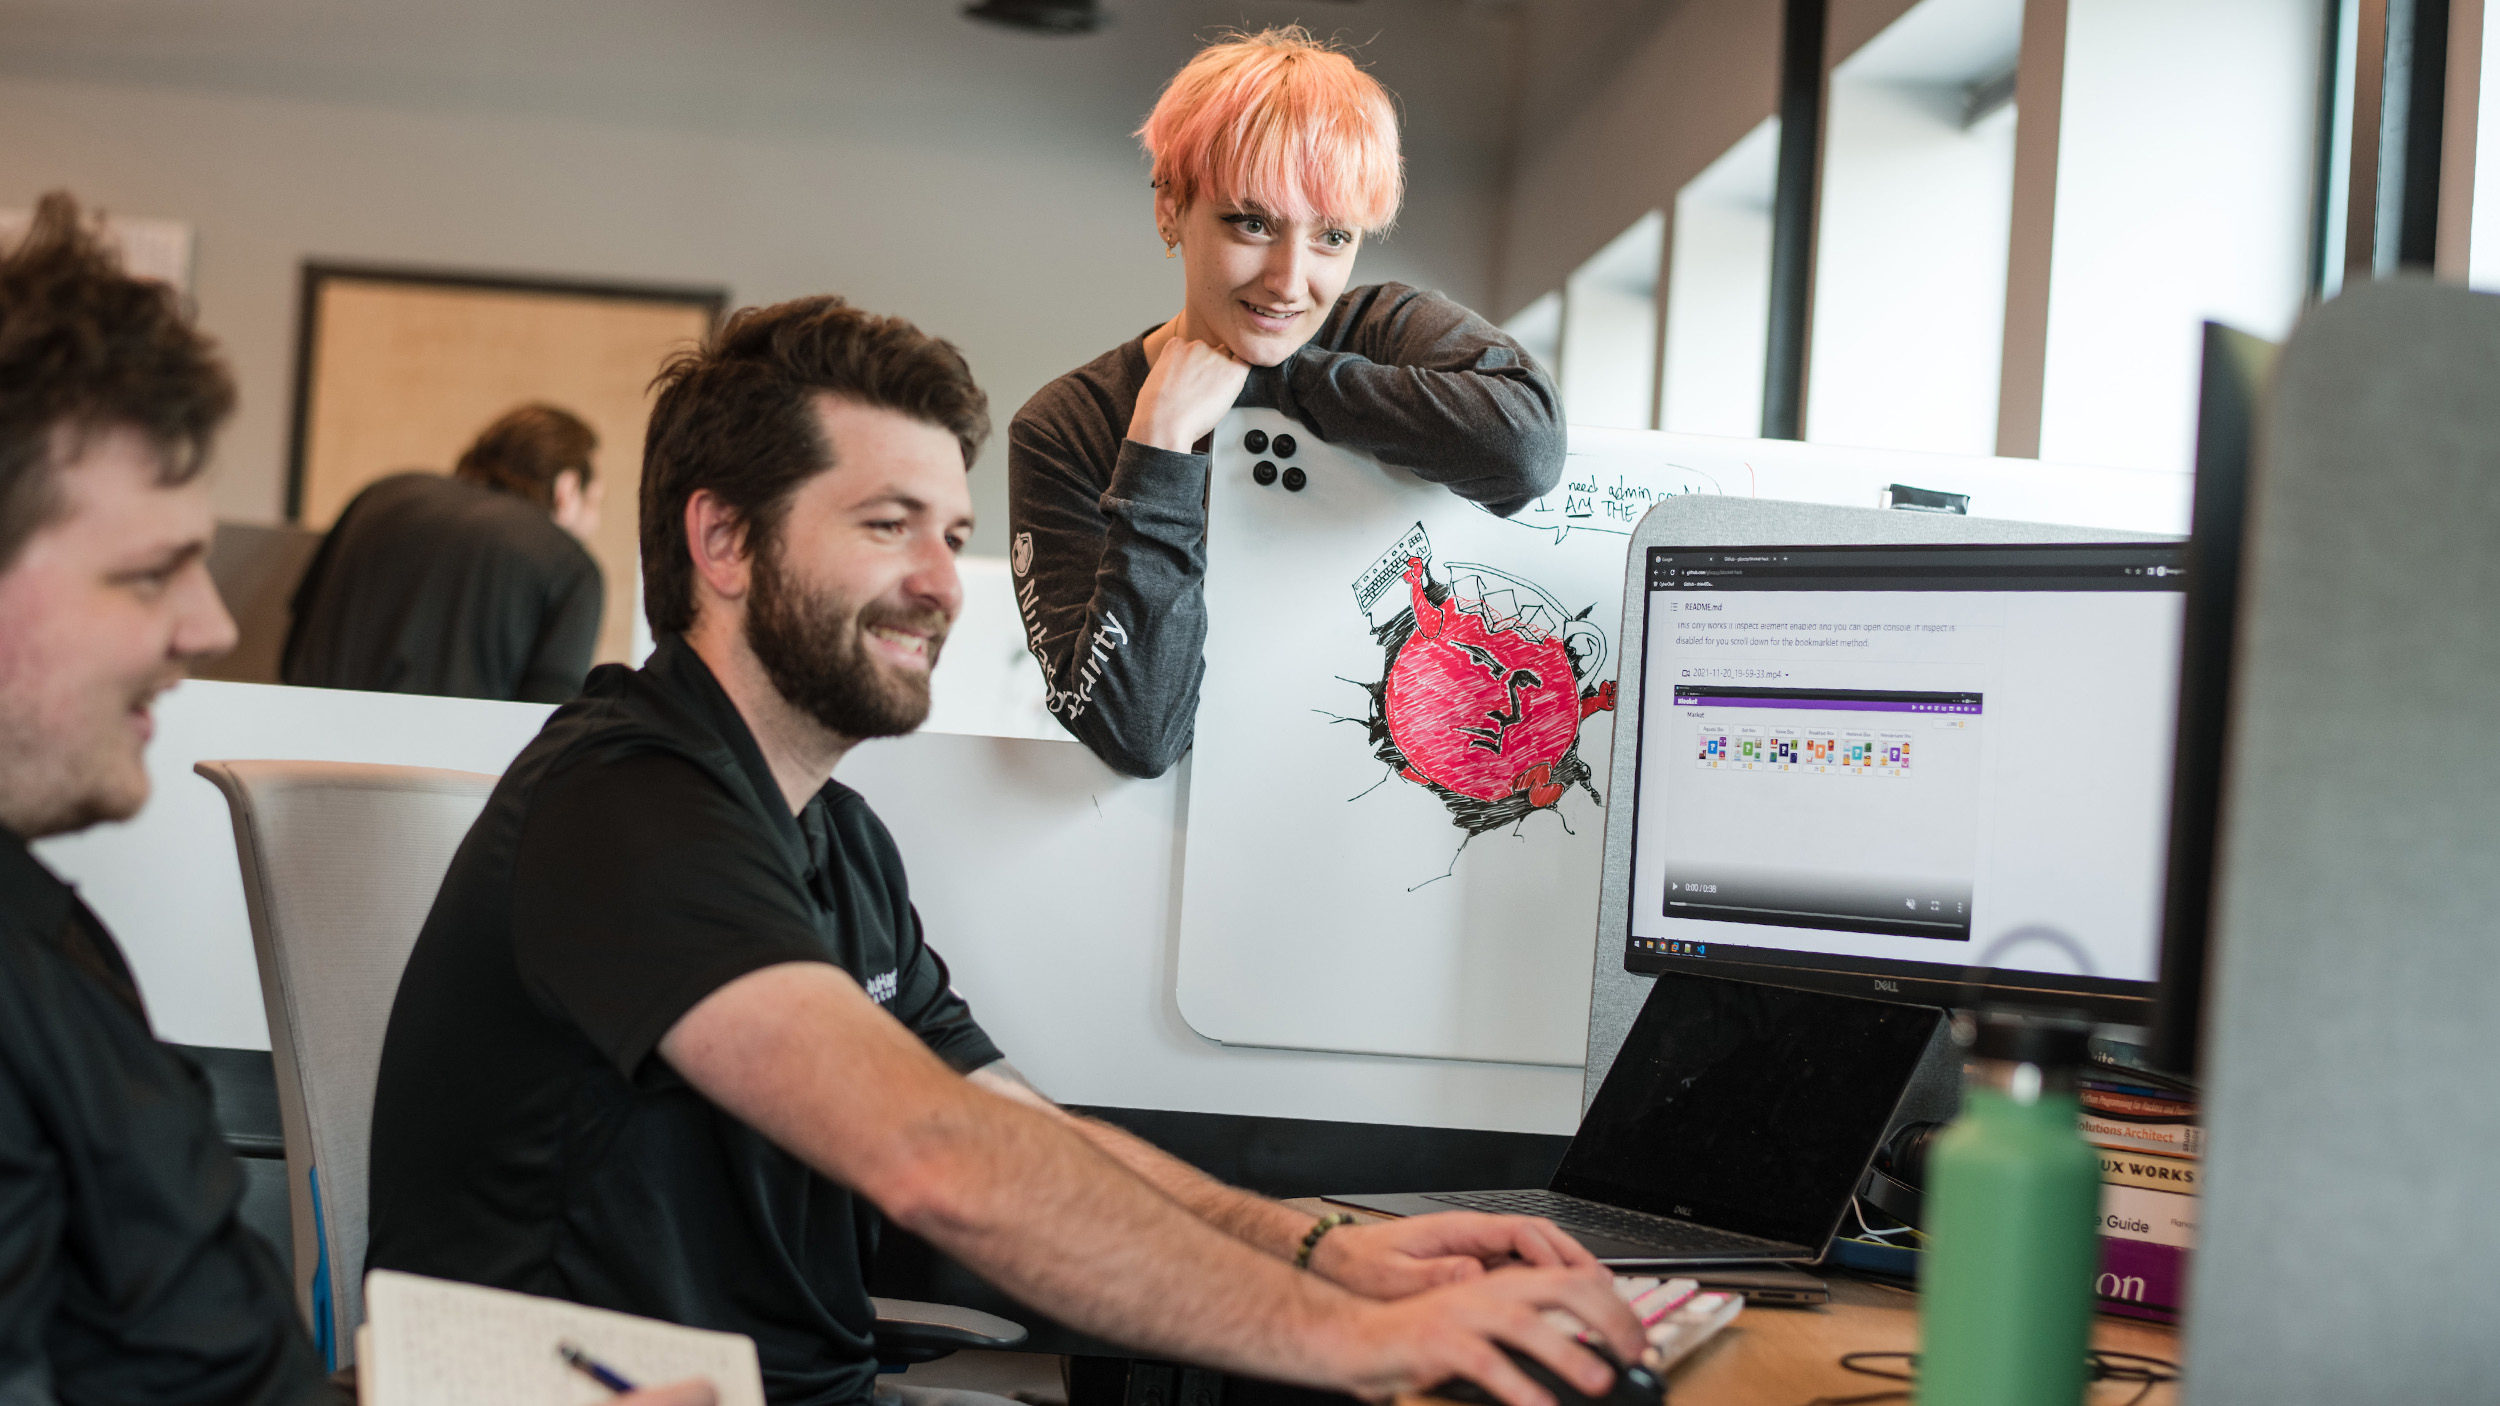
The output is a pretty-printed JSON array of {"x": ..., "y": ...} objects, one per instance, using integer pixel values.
[{"x": 1612, "y": 502}]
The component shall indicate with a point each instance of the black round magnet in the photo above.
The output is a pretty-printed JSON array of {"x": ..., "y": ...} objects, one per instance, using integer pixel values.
[
  {"x": 1255, "y": 441},
  {"x": 1284, "y": 446},
  {"x": 1294, "y": 479},
  {"x": 1263, "y": 471}
]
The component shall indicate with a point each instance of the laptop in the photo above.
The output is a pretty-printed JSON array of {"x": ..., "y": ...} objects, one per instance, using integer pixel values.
[{"x": 1734, "y": 1127}]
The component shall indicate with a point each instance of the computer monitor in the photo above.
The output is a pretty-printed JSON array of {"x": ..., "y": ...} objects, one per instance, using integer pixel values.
[
  {"x": 2235, "y": 368},
  {"x": 1922, "y": 772}
]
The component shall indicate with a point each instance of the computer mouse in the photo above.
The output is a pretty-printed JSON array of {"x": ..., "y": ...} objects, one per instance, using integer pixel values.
[{"x": 1634, "y": 1386}]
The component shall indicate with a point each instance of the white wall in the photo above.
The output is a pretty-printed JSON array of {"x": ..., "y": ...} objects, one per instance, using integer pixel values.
[
  {"x": 2185, "y": 160},
  {"x": 1538, "y": 326},
  {"x": 167, "y": 883},
  {"x": 1623, "y": 107},
  {"x": 1718, "y": 303},
  {"x": 2483, "y": 256},
  {"x": 1917, "y": 200},
  {"x": 1610, "y": 329},
  {"x": 986, "y": 682},
  {"x": 980, "y": 182}
]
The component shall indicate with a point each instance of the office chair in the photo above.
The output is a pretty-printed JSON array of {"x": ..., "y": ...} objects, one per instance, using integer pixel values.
[{"x": 341, "y": 862}]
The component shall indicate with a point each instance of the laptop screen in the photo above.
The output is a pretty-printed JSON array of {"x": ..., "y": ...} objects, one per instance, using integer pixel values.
[{"x": 1746, "y": 1107}]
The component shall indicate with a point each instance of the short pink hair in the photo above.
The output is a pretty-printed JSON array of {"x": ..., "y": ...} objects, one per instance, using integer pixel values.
[{"x": 1283, "y": 122}]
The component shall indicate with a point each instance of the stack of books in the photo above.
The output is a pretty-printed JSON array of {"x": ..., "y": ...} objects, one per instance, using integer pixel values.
[{"x": 2145, "y": 1129}]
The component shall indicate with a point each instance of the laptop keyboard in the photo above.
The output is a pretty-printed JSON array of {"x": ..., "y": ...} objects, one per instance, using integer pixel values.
[{"x": 1597, "y": 1218}]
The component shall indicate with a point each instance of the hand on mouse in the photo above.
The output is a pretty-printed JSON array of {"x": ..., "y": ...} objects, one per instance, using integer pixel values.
[
  {"x": 1392, "y": 1259},
  {"x": 1458, "y": 1331},
  {"x": 1190, "y": 390}
]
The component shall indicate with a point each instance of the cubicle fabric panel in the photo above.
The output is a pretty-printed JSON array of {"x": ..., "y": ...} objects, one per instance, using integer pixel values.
[
  {"x": 340, "y": 866},
  {"x": 2348, "y": 1229},
  {"x": 399, "y": 370},
  {"x": 1616, "y": 995}
]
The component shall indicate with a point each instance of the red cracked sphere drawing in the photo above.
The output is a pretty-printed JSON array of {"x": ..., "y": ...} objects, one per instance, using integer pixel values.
[{"x": 1482, "y": 695}]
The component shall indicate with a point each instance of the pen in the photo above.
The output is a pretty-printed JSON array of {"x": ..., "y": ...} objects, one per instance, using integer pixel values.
[{"x": 592, "y": 1367}]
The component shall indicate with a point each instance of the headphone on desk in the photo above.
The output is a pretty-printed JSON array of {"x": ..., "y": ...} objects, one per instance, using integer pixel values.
[{"x": 1893, "y": 1185}]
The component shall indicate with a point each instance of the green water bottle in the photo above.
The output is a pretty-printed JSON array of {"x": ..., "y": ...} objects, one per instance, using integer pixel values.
[{"x": 2012, "y": 1211}]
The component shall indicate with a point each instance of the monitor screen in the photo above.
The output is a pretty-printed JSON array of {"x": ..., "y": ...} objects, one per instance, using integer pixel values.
[{"x": 1876, "y": 768}]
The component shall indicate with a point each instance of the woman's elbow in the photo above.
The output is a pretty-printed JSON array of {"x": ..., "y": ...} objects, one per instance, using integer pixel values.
[
  {"x": 1516, "y": 471},
  {"x": 1143, "y": 762},
  {"x": 1141, "y": 758}
]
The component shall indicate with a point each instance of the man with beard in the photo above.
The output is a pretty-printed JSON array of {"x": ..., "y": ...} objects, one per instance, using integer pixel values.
[{"x": 672, "y": 1038}]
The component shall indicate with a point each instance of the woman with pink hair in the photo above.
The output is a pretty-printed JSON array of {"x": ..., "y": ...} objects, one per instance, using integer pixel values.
[{"x": 1274, "y": 157}]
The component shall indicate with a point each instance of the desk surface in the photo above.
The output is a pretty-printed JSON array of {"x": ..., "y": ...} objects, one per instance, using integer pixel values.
[{"x": 1790, "y": 1356}]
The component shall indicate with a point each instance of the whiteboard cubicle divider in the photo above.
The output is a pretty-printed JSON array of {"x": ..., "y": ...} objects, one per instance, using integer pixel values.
[
  {"x": 1052, "y": 884},
  {"x": 1047, "y": 880},
  {"x": 177, "y": 903},
  {"x": 2020, "y": 490},
  {"x": 1615, "y": 995},
  {"x": 1351, "y": 885}
]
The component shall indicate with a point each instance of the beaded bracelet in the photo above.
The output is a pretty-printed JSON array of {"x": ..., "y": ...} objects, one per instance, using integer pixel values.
[{"x": 1310, "y": 1241}]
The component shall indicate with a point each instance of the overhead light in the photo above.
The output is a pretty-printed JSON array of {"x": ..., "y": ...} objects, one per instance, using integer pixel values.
[{"x": 1039, "y": 16}]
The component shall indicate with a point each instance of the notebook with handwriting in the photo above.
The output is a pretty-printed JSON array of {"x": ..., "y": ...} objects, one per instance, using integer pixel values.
[{"x": 432, "y": 1342}]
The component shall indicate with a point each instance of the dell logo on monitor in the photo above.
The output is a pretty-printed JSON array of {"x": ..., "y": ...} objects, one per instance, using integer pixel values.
[{"x": 1892, "y": 986}]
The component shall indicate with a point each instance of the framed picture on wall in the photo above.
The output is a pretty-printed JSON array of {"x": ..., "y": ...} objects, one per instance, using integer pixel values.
[{"x": 399, "y": 369}]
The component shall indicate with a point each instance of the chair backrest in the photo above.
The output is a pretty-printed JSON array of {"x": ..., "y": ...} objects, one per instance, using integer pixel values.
[{"x": 341, "y": 862}]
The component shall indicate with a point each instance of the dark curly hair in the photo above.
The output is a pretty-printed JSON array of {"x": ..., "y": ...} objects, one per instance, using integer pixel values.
[
  {"x": 736, "y": 416},
  {"x": 85, "y": 347},
  {"x": 526, "y": 449}
]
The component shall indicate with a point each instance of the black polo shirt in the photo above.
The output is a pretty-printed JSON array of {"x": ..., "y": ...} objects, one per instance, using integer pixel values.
[
  {"x": 635, "y": 858},
  {"x": 433, "y": 584},
  {"x": 125, "y": 1273}
]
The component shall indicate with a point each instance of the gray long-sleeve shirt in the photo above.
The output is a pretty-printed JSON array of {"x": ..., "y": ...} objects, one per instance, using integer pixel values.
[{"x": 1109, "y": 535}]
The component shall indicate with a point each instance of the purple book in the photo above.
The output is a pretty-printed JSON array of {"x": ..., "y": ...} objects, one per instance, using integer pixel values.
[{"x": 2141, "y": 1279}]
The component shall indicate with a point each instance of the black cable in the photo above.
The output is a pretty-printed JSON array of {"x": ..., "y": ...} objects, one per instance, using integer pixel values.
[{"x": 2106, "y": 1366}]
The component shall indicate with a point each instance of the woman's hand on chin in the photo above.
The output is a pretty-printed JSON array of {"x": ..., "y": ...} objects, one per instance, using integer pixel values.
[{"x": 1192, "y": 386}]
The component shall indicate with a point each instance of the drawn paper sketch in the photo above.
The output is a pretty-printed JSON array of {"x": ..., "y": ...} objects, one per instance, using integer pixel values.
[
  {"x": 1395, "y": 800},
  {"x": 1484, "y": 684}
]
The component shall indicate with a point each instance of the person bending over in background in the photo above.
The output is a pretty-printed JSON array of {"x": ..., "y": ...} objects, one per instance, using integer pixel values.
[
  {"x": 127, "y": 1277},
  {"x": 471, "y": 586},
  {"x": 672, "y": 1036},
  {"x": 1274, "y": 157}
]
